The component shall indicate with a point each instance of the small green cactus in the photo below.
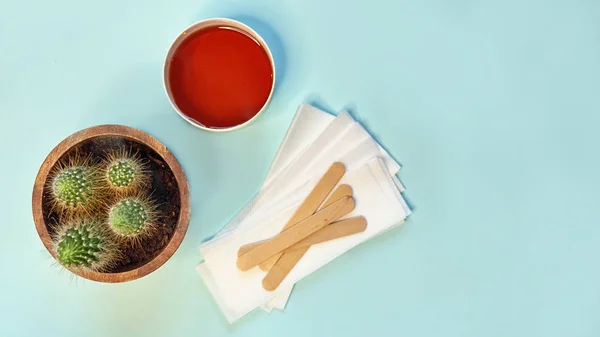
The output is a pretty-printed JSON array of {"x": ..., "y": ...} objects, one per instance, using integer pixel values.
[
  {"x": 132, "y": 217},
  {"x": 73, "y": 186},
  {"x": 76, "y": 187},
  {"x": 125, "y": 173},
  {"x": 84, "y": 245},
  {"x": 121, "y": 173}
]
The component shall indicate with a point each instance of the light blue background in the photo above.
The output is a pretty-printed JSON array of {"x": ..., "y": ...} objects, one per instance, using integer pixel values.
[{"x": 492, "y": 107}]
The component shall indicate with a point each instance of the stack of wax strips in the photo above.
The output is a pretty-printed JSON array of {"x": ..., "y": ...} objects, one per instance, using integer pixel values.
[{"x": 314, "y": 141}]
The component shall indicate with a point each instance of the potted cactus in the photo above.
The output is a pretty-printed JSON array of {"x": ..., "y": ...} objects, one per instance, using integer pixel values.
[
  {"x": 76, "y": 187},
  {"x": 132, "y": 218},
  {"x": 84, "y": 245},
  {"x": 111, "y": 203},
  {"x": 124, "y": 172}
]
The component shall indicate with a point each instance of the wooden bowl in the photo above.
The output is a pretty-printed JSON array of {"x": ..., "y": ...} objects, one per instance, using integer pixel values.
[{"x": 168, "y": 185}]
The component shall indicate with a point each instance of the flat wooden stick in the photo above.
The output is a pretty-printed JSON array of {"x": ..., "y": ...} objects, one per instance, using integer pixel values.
[
  {"x": 295, "y": 233},
  {"x": 333, "y": 231},
  {"x": 281, "y": 269},
  {"x": 340, "y": 192},
  {"x": 312, "y": 202},
  {"x": 294, "y": 253}
]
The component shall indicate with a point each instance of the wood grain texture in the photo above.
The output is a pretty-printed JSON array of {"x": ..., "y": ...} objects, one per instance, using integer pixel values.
[
  {"x": 312, "y": 201},
  {"x": 294, "y": 253},
  {"x": 291, "y": 256},
  {"x": 295, "y": 233},
  {"x": 340, "y": 192},
  {"x": 135, "y": 135},
  {"x": 281, "y": 269},
  {"x": 330, "y": 232}
]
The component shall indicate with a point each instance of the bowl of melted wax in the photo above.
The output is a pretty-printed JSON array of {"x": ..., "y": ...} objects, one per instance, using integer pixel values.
[{"x": 219, "y": 74}]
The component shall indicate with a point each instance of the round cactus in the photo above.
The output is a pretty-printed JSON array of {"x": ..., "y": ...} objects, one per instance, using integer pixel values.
[
  {"x": 73, "y": 186},
  {"x": 124, "y": 172},
  {"x": 121, "y": 173},
  {"x": 76, "y": 187},
  {"x": 84, "y": 245},
  {"x": 131, "y": 217}
]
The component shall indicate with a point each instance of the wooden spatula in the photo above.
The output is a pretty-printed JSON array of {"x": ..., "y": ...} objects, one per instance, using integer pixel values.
[
  {"x": 312, "y": 202},
  {"x": 295, "y": 233},
  {"x": 340, "y": 192}
]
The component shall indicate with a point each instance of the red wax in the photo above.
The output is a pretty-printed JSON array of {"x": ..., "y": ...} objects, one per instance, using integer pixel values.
[{"x": 220, "y": 77}]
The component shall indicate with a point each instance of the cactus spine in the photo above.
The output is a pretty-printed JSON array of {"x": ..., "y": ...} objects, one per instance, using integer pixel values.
[
  {"x": 76, "y": 187},
  {"x": 125, "y": 173},
  {"x": 84, "y": 245},
  {"x": 132, "y": 217}
]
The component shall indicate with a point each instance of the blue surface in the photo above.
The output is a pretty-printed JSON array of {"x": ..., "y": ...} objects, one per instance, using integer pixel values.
[{"x": 492, "y": 107}]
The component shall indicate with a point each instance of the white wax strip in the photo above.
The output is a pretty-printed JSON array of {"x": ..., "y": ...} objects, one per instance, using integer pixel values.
[
  {"x": 308, "y": 123},
  {"x": 338, "y": 137},
  {"x": 398, "y": 184},
  {"x": 241, "y": 292}
]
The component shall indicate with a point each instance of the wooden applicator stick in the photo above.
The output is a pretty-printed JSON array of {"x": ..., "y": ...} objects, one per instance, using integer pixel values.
[
  {"x": 294, "y": 253},
  {"x": 295, "y": 233},
  {"x": 333, "y": 231},
  {"x": 312, "y": 202},
  {"x": 340, "y": 192}
]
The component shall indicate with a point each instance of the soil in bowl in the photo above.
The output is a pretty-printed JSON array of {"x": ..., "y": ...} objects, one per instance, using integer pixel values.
[{"x": 162, "y": 189}]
